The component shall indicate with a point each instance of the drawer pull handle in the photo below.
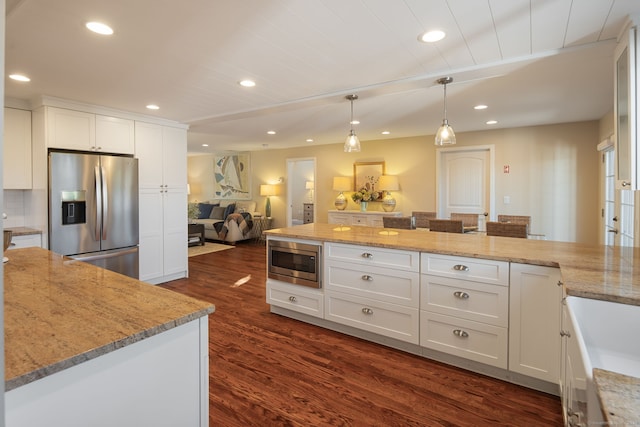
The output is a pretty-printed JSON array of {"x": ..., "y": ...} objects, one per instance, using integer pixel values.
[
  {"x": 367, "y": 255},
  {"x": 565, "y": 334},
  {"x": 292, "y": 298},
  {"x": 460, "y": 267},
  {"x": 367, "y": 310},
  {"x": 461, "y": 295},
  {"x": 460, "y": 333},
  {"x": 367, "y": 277}
]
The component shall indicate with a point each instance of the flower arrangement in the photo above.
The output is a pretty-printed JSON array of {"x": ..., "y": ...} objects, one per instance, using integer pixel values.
[{"x": 364, "y": 195}]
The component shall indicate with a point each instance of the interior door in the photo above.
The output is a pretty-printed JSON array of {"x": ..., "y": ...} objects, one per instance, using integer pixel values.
[
  {"x": 465, "y": 183},
  {"x": 299, "y": 172}
]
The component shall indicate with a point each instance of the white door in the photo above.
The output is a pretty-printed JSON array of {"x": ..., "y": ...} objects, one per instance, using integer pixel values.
[{"x": 465, "y": 181}]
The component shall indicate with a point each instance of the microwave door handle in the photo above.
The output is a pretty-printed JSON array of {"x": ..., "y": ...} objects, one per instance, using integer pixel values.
[
  {"x": 98, "y": 197},
  {"x": 105, "y": 204}
]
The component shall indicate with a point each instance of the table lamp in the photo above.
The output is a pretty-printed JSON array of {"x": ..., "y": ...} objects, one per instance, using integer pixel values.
[
  {"x": 341, "y": 183},
  {"x": 387, "y": 184},
  {"x": 267, "y": 190}
]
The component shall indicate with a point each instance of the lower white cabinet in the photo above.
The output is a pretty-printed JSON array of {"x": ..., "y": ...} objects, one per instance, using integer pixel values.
[
  {"x": 573, "y": 379},
  {"x": 26, "y": 241},
  {"x": 295, "y": 297},
  {"x": 534, "y": 321}
]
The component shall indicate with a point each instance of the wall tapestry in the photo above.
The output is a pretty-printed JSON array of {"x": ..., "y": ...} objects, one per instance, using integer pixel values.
[{"x": 232, "y": 176}]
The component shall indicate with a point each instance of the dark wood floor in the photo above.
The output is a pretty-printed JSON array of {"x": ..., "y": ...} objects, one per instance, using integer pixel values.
[{"x": 268, "y": 370}]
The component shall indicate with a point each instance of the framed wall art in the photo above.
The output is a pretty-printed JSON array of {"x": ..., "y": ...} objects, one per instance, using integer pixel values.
[
  {"x": 232, "y": 176},
  {"x": 366, "y": 175}
]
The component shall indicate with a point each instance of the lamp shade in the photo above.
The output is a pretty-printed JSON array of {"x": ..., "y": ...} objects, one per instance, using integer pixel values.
[
  {"x": 267, "y": 190},
  {"x": 308, "y": 185},
  {"x": 388, "y": 183},
  {"x": 341, "y": 183}
]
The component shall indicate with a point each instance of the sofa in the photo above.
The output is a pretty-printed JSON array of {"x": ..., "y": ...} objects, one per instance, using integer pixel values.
[{"x": 227, "y": 220}]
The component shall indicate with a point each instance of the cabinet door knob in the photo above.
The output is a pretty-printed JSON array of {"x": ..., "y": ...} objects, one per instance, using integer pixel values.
[
  {"x": 367, "y": 310},
  {"x": 292, "y": 298},
  {"x": 625, "y": 183},
  {"x": 367, "y": 277},
  {"x": 460, "y": 333},
  {"x": 460, "y": 267},
  {"x": 565, "y": 334},
  {"x": 461, "y": 295},
  {"x": 367, "y": 255}
]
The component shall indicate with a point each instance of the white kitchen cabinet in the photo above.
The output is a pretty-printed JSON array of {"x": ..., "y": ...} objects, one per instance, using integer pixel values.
[
  {"x": 296, "y": 298},
  {"x": 373, "y": 289},
  {"x": 573, "y": 379},
  {"x": 78, "y": 130},
  {"x": 371, "y": 218},
  {"x": 162, "y": 156},
  {"x": 626, "y": 108},
  {"x": 464, "y": 306},
  {"x": 535, "y": 321},
  {"x": 17, "y": 150},
  {"x": 26, "y": 241}
]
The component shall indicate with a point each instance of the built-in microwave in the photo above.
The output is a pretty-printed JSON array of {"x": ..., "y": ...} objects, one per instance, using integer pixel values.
[{"x": 295, "y": 262}]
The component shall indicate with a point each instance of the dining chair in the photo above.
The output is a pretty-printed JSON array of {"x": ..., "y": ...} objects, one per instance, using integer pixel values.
[
  {"x": 515, "y": 219},
  {"x": 422, "y": 218},
  {"x": 446, "y": 225},
  {"x": 403, "y": 222},
  {"x": 468, "y": 219},
  {"x": 507, "y": 229}
]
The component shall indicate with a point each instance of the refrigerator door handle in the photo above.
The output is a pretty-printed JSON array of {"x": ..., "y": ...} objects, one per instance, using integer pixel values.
[
  {"x": 104, "y": 255},
  {"x": 98, "y": 185},
  {"x": 105, "y": 204}
]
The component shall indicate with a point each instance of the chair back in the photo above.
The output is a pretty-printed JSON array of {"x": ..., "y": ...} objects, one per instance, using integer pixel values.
[
  {"x": 468, "y": 220},
  {"x": 446, "y": 225},
  {"x": 507, "y": 229},
  {"x": 403, "y": 222},
  {"x": 515, "y": 219},
  {"x": 422, "y": 218}
]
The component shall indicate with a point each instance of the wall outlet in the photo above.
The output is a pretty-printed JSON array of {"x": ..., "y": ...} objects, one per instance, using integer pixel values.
[{"x": 506, "y": 200}]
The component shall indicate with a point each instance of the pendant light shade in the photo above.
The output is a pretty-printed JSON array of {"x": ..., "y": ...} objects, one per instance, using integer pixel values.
[
  {"x": 445, "y": 134},
  {"x": 352, "y": 144}
]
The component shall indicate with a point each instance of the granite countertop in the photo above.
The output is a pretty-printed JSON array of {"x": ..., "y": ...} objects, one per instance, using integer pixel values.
[
  {"x": 59, "y": 313},
  {"x": 589, "y": 271},
  {"x": 23, "y": 231}
]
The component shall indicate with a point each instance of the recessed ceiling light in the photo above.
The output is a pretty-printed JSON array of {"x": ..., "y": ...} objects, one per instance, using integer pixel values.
[
  {"x": 480, "y": 107},
  {"x": 205, "y": 145},
  {"x": 153, "y": 107},
  {"x": 271, "y": 132},
  {"x": 100, "y": 28},
  {"x": 309, "y": 140},
  {"x": 247, "y": 83},
  {"x": 492, "y": 122},
  {"x": 355, "y": 122},
  {"x": 431, "y": 36},
  {"x": 386, "y": 132},
  {"x": 19, "y": 78}
]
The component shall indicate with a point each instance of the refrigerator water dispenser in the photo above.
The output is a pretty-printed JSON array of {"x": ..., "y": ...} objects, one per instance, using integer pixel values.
[{"x": 74, "y": 207}]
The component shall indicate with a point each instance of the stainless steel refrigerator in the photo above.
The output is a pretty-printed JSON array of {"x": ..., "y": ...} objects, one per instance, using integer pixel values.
[{"x": 93, "y": 209}]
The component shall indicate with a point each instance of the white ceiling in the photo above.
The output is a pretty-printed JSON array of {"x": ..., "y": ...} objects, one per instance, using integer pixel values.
[{"x": 531, "y": 61}]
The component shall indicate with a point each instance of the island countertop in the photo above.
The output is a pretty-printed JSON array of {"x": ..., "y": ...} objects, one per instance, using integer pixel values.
[
  {"x": 60, "y": 312},
  {"x": 590, "y": 271}
]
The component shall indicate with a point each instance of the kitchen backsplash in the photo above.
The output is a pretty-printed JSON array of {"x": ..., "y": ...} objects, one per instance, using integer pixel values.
[{"x": 14, "y": 208}]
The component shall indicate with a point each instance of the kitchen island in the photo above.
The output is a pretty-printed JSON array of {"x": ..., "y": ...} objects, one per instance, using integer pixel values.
[
  {"x": 588, "y": 271},
  {"x": 87, "y": 346}
]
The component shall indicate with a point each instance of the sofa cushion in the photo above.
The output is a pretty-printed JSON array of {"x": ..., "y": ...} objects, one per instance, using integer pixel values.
[
  {"x": 217, "y": 212},
  {"x": 205, "y": 210},
  {"x": 231, "y": 207},
  {"x": 245, "y": 206}
]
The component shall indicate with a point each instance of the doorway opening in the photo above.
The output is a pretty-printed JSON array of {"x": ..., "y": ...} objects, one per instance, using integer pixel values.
[{"x": 301, "y": 194}]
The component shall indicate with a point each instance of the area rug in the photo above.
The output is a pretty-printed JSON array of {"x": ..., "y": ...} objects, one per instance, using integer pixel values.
[{"x": 207, "y": 248}]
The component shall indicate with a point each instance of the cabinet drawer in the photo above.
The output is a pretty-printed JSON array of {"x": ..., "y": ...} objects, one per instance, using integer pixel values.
[
  {"x": 367, "y": 255},
  {"x": 382, "y": 318},
  {"x": 464, "y": 338},
  {"x": 394, "y": 286},
  {"x": 476, "y": 269},
  {"x": 335, "y": 218},
  {"x": 476, "y": 301},
  {"x": 296, "y": 298},
  {"x": 359, "y": 220},
  {"x": 26, "y": 241}
]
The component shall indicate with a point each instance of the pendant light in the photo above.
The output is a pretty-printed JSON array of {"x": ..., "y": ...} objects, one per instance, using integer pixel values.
[
  {"x": 445, "y": 135},
  {"x": 352, "y": 144}
]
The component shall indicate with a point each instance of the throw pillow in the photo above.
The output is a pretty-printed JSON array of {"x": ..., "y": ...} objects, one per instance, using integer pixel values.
[
  {"x": 229, "y": 210},
  {"x": 205, "y": 210},
  {"x": 217, "y": 212},
  {"x": 248, "y": 206}
]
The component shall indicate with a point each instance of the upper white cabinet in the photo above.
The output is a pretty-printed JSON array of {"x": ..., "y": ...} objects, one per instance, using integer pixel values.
[
  {"x": 17, "y": 150},
  {"x": 626, "y": 109},
  {"x": 77, "y": 130}
]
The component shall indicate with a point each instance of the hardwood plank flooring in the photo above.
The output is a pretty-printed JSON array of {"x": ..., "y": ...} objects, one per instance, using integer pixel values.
[{"x": 269, "y": 370}]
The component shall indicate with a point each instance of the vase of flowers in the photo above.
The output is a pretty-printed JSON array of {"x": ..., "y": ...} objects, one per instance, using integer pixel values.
[{"x": 363, "y": 197}]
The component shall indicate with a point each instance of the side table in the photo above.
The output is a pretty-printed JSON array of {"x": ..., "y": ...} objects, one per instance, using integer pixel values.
[
  {"x": 260, "y": 224},
  {"x": 195, "y": 235}
]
